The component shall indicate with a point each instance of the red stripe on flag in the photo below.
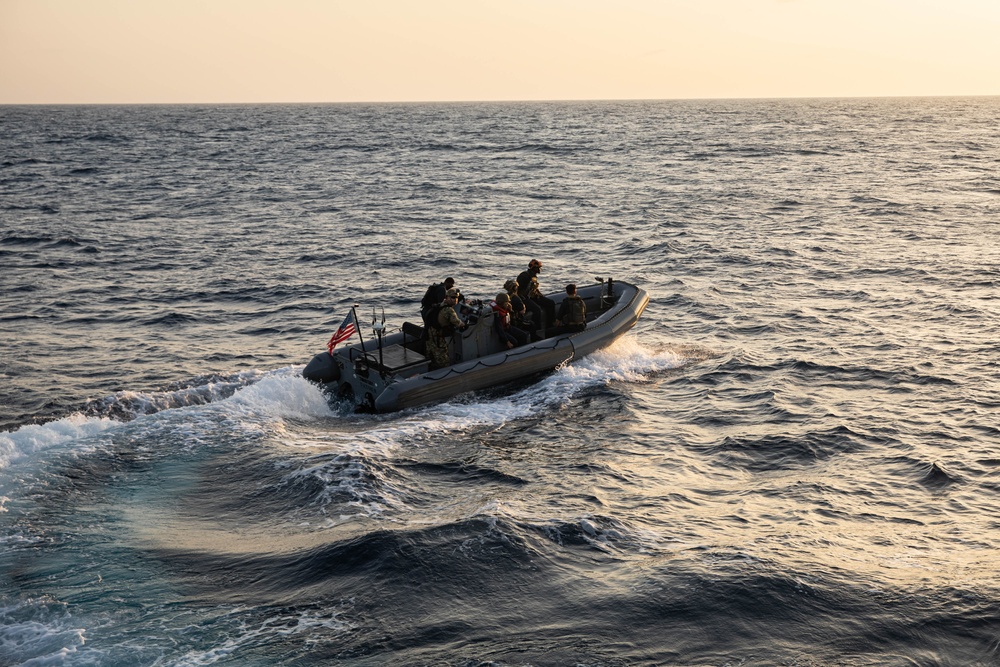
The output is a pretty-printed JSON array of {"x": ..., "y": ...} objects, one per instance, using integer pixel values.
[{"x": 346, "y": 330}]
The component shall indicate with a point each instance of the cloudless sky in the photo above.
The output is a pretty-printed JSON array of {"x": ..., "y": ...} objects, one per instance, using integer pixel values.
[{"x": 165, "y": 51}]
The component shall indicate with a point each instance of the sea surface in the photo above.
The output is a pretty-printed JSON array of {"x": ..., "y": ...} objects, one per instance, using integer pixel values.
[{"x": 792, "y": 459}]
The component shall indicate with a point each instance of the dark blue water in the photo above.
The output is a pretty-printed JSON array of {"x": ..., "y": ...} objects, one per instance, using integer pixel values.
[{"x": 793, "y": 459}]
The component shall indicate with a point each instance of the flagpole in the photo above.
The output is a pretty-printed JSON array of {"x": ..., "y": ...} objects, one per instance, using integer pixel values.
[
  {"x": 357, "y": 325},
  {"x": 377, "y": 332}
]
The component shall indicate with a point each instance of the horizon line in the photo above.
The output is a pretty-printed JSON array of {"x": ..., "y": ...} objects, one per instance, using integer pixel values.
[{"x": 511, "y": 101}]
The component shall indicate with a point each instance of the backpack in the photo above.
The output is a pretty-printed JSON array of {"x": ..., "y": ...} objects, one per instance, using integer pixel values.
[
  {"x": 429, "y": 297},
  {"x": 577, "y": 311},
  {"x": 431, "y": 316}
]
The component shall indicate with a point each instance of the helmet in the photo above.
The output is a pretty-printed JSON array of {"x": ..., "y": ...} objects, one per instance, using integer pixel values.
[{"x": 510, "y": 285}]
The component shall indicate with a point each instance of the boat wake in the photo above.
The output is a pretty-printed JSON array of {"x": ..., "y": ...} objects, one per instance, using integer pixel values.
[
  {"x": 625, "y": 361},
  {"x": 252, "y": 394},
  {"x": 264, "y": 401},
  {"x": 127, "y": 405},
  {"x": 324, "y": 465}
]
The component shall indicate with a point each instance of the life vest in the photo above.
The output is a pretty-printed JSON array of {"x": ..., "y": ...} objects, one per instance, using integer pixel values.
[{"x": 502, "y": 314}]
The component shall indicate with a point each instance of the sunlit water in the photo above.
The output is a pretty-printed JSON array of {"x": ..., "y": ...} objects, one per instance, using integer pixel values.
[{"x": 793, "y": 459}]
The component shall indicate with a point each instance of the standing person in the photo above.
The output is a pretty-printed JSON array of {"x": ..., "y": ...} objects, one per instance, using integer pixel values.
[
  {"x": 442, "y": 323},
  {"x": 572, "y": 315},
  {"x": 542, "y": 308},
  {"x": 434, "y": 295},
  {"x": 510, "y": 334}
]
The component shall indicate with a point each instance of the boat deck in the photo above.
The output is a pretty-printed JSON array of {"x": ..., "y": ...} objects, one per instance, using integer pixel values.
[{"x": 396, "y": 359}]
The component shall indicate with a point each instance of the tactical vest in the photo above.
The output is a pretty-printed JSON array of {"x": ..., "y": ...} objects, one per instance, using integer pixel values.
[
  {"x": 434, "y": 320},
  {"x": 577, "y": 311}
]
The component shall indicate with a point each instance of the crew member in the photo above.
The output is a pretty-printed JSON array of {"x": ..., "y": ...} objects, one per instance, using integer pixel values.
[
  {"x": 543, "y": 309},
  {"x": 442, "y": 323},
  {"x": 433, "y": 296},
  {"x": 509, "y": 334},
  {"x": 572, "y": 316},
  {"x": 518, "y": 313}
]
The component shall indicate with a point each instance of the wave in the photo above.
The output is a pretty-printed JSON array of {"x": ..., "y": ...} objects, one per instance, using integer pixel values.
[
  {"x": 39, "y": 632},
  {"x": 250, "y": 396},
  {"x": 541, "y": 148},
  {"x": 344, "y": 463},
  {"x": 823, "y": 374},
  {"x": 29, "y": 441},
  {"x": 49, "y": 242},
  {"x": 788, "y": 452},
  {"x": 280, "y": 394},
  {"x": 936, "y": 477},
  {"x": 255, "y": 402},
  {"x": 127, "y": 405},
  {"x": 15, "y": 239},
  {"x": 170, "y": 319},
  {"x": 891, "y": 379}
]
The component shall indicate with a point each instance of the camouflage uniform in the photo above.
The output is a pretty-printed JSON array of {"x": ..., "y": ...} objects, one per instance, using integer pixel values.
[
  {"x": 437, "y": 337},
  {"x": 530, "y": 292}
]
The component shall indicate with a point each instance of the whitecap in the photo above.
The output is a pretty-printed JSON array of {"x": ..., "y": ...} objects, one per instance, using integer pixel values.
[{"x": 30, "y": 441}]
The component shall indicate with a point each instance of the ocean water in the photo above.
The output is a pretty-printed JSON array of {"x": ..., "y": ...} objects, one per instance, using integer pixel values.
[{"x": 792, "y": 459}]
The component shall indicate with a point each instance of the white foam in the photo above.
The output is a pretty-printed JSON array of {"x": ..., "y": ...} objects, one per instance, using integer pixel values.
[
  {"x": 282, "y": 394},
  {"x": 311, "y": 625},
  {"x": 29, "y": 441},
  {"x": 35, "y": 634},
  {"x": 278, "y": 394},
  {"x": 625, "y": 361},
  {"x": 130, "y": 404}
]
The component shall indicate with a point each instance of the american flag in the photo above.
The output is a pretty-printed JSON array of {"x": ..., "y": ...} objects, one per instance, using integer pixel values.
[{"x": 346, "y": 330}]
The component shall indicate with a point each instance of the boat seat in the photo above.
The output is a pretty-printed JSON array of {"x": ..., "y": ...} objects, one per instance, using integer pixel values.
[
  {"x": 414, "y": 337},
  {"x": 413, "y": 330}
]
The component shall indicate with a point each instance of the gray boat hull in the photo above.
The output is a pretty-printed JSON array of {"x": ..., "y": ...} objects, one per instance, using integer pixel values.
[{"x": 397, "y": 376}]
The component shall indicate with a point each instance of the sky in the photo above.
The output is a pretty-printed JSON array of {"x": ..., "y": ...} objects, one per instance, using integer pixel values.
[{"x": 232, "y": 51}]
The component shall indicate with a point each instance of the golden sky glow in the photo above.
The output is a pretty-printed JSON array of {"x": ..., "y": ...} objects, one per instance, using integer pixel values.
[{"x": 162, "y": 51}]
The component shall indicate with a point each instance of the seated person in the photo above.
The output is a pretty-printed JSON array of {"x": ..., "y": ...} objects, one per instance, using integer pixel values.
[
  {"x": 510, "y": 334},
  {"x": 519, "y": 315},
  {"x": 542, "y": 308},
  {"x": 572, "y": 315}
]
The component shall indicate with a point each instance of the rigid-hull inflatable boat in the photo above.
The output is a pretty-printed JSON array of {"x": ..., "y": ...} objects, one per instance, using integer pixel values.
[{"x": 390, "y": 372}]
